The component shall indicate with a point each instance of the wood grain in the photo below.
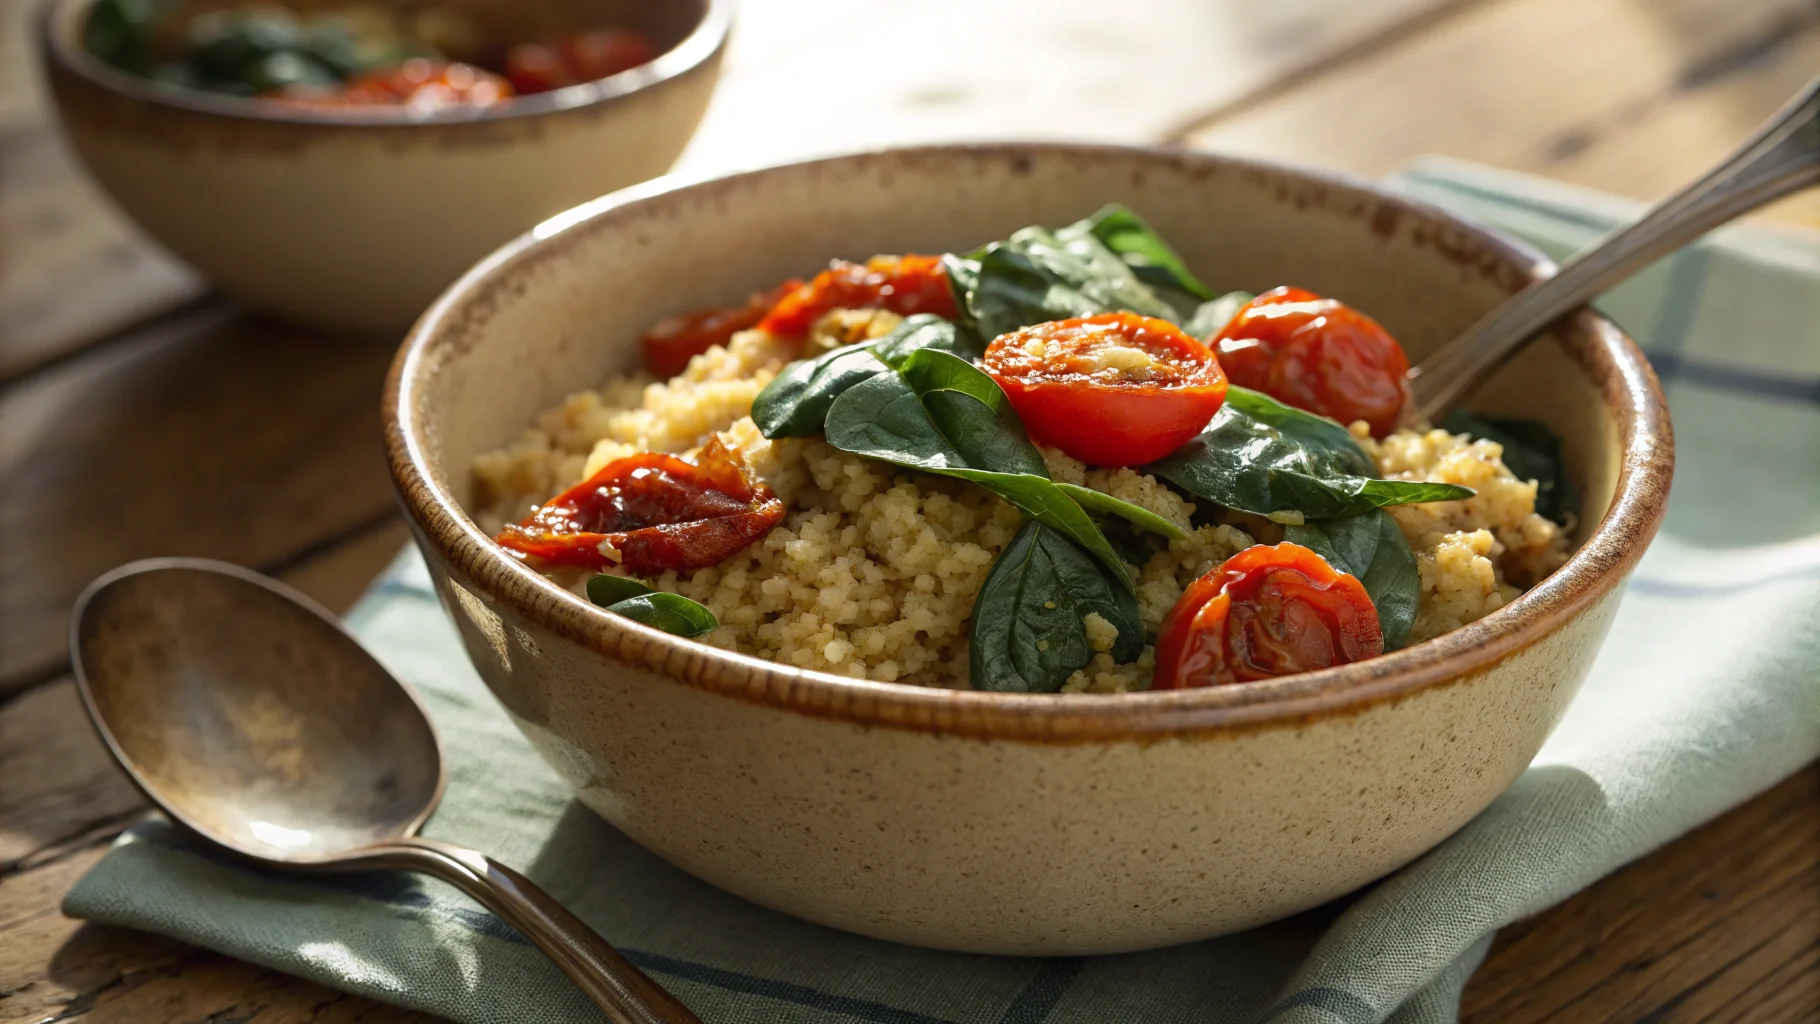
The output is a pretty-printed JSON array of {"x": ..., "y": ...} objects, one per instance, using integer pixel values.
[
  {"x": 1632, "y": 96},
  {"x": 72, "y": 270},
  {"x": 212, "y": 434},
  {"x": 1722, "y": 925}
]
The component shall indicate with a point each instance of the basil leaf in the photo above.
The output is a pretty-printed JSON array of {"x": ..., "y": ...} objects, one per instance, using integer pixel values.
[
  {"x": 1261, "y": 456},
  {"x": 1144, "y": 251},
  {"x": 886, "y": 419},
  {"x": 1211, "y": 316},
  {"x": 1038, "y": 275},
  {"x": 605, "y": 590},
  {"x": 1372, "y": 548},
  {"x": 1027, "y": 633},
  {"x": 672, "y": 613},
  {"x": 1106, "y": 504},
  {"x": 796, "y": 401},
  {"x": 1531, "y": 452}
]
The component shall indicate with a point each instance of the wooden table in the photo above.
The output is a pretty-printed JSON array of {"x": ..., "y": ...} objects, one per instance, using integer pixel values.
[{"x": 141, "y": 415}]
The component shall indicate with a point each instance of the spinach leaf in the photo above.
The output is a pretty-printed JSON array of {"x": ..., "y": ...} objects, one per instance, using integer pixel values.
[
  {"x": 1531, "y": 452},
  {"x": 796, "y": 401},
  {"x": 1372, "y": 548},
  {"x": 1038, "y": 275},
  {"x": 1209, "y": 317},
  {"x": 1261, "y": 456},
  {"x": 1149, "y": 257},
  {"x": 1027, "y": 634},
  {"x": 120, "y": 33},
  {"x": 1106, "y": 504},
  {"x": 884, "y": 418},
  {"x": 672, "y": 613}
]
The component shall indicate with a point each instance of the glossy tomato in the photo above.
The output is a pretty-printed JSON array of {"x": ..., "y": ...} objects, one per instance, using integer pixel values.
[
  {"x": 673, "y": 341},
  {"x": 902, "y": 284},
  {"x": 1266, "y": 611},
  {"x": 583, "y": 57},
  {"x": 650, "y": 513},
  {"x": 422, "y": 85},
  {"x": 1116, "y": 389},
  {"x": 1317, "y": 354}
]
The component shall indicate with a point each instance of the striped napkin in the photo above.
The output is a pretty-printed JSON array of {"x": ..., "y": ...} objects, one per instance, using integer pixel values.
[{"x": 1707, "y": 692}]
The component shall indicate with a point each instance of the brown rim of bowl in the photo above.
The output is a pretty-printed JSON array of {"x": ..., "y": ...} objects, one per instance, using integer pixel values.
[
  {"x": 1613, "y": 361},
  {"x": 705, "y": 40}
]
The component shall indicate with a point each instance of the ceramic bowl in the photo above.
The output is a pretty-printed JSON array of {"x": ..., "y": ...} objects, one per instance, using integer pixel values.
[
  {"x": 358, "y": 220},
  {"x": 991, "y": 822}
]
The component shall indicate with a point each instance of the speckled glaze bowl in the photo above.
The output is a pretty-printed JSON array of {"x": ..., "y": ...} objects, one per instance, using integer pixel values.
[
  {"x": 1008, "y": 823},
  {"x": 357, "y": 220}
]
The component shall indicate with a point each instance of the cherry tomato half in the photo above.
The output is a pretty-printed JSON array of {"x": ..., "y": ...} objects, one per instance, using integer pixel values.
[
  {"x": 1116, "y": 389},
  {"x": 673, "y": 341},
  {"x": 1266, "y": 611},
  {"x": 583, "y": 57},
  {"x": 657, "y": 511},
  {"x": 422, "y": 85},
  {"x": 901, "y": 284},
  {"x": 1317, "y": 354}
]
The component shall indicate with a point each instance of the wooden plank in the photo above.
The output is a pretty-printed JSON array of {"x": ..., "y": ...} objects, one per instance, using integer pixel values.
[
  {"x": 1722, "y": 925},
  {"x": 215, "y": 434},
  {"x": 1633, "y": 96},
  {"x": 72, "y": 269},
  {"x": 959, "y": 69}
]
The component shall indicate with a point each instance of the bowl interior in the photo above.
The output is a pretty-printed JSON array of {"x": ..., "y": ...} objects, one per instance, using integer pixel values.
[{"x": 562, "y": 315}]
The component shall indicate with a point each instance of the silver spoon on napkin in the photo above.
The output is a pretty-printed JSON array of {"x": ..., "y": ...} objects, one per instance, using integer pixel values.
[
  {"x": 247, "y": 714},
  {"x": 1782, "y": 157}
]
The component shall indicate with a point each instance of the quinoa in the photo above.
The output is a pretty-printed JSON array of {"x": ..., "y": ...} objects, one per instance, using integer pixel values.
[{"x": 873, "y": 571}]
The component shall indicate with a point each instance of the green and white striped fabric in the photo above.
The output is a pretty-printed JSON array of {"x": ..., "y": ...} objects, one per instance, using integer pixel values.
[{"x": 1707, "y": 693}]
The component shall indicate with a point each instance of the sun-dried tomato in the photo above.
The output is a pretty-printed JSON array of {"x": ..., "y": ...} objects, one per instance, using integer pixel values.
[
  {"x": 650, "y": 513},
  {"x": 901, "y": 284},
  {"x": 1266, "y": 611},
  {"x": 583, "y": 57},
  {"x": 673, "y": 341}
]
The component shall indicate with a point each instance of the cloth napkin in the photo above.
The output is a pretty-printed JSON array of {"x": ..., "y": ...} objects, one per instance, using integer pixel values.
[{"x": 1707, "y": 692}]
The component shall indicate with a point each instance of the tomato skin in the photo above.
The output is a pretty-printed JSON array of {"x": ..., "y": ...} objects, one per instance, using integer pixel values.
[
  {"x": 657, "y": 511},
  {"x": 906, "y": 285},
  {"x": 572, "y": 60},
  {"x": 673, "y": 341},
  {"x": 1068, "y": 399},
  {"x": 1317, "y": 354},
  {"x": 1266, "y": 611},
  {"x": 423, "y": 85}
]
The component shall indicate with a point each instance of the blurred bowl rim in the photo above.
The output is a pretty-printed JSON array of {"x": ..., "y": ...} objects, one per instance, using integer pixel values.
[
  {"x": 64, "y": 49},
  {"x": 1601, "y": 562}
]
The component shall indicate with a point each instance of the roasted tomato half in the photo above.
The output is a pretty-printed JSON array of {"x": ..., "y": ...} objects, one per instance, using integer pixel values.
[
  {"x": 901, "y": 284},
  {"x": 675, "y": 340},
  {"x": 1116, "y": 389},
  {"x": 1266, "y": 611},
  {"x": 1317, "y": 354},
  {"x": 584, "y": 57},
  {"x": 422, "y": 85},
  {"x": 650, "y": 513}
]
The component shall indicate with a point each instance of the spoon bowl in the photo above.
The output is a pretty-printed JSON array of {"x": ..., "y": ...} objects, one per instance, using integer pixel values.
[
  {"x": 250, "y": 715},
  {"x": 245, "y": 712}
]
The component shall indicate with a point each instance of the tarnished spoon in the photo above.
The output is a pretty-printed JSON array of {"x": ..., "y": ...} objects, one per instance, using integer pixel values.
[
  {"x": 1782, "y": 157},
  {"x": 247, "y": 714}
]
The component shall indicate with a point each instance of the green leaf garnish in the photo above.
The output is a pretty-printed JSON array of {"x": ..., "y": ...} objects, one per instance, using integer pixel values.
[
  {"x": 672, "y": 613},
  {"x": 1027, "y": 632}
]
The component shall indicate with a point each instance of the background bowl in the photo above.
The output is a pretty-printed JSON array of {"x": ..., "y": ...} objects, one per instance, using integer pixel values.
[
  {"x": 1011, "y": 823},
  {"x": 357, "y": 220}
]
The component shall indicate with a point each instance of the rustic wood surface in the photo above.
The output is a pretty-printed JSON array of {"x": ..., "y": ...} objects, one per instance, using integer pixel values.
[{"x": 140, "y": 416}]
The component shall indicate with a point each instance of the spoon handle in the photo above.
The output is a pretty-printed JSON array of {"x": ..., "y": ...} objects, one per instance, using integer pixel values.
[
  {"x": 626, "y": 994},
  {"x": 1782, "y": 157}
]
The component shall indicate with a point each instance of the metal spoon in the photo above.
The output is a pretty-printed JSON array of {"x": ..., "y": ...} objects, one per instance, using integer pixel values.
[
  {"x": 246, "y": 713},
  {"x": 1782, "y": 157}
]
